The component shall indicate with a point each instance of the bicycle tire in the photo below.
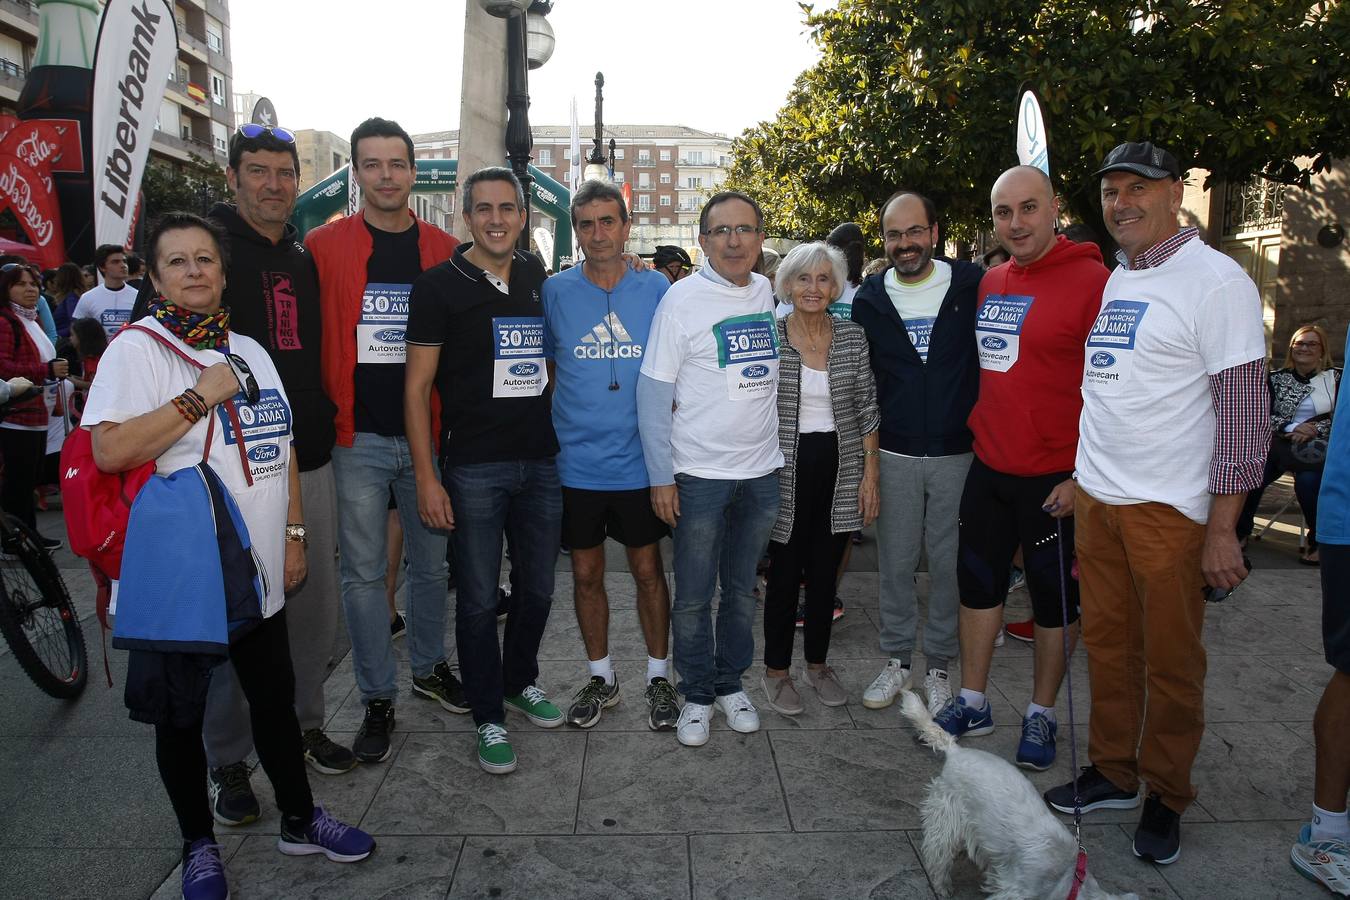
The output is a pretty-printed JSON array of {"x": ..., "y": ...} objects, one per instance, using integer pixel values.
[{"x": 37, "y": 618}]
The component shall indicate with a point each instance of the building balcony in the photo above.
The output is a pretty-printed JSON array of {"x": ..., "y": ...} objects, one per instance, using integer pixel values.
[
  {"x": 641, "y": 163},
  {"x": 12, "y": 78},
  {"x": 218, "y": 11},
  {"x": 183, "y": 148},
  {"x": 20, "y": 15},
  {"x": 193, "y": 45}
]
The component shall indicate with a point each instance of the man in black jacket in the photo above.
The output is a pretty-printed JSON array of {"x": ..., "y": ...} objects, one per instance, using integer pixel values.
[{"x": 919, "y": 316}]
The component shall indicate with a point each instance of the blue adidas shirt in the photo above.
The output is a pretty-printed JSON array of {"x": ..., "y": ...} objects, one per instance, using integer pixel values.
[
  {"x": 596, "y": 339},
  {"x": 1333, "y": 502}
]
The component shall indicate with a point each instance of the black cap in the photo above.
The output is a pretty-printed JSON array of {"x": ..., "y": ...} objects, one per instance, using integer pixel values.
[
  {"x": 1141, "y": 159},
  {"x": 667, "y": 254}
]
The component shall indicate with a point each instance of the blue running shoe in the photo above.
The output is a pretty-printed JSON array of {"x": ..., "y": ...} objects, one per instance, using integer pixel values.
[
  {"x": 1036, "y": 750},
  {"x": 960, "y": 720},
  {"x": 325, "y": 834},
  {"x": 203, "y": 872}
]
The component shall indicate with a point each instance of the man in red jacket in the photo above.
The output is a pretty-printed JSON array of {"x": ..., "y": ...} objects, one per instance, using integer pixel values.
[
  {"x": 1035, "y": 312},
  {"x": 367, "y": 263}
]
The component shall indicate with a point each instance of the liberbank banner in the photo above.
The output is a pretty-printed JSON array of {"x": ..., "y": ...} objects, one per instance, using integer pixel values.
[{"x": 137, "y": 43}]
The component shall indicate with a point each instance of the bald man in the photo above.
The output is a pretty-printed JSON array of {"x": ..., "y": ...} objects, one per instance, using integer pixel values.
[{"x": 1034, "y": 315}]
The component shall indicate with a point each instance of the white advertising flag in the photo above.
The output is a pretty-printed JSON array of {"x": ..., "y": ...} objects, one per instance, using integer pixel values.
[
  {"x": 574, "y": 175},
  {"x": 137, "y": 45},
  {"x": 1033, "y": 144}
]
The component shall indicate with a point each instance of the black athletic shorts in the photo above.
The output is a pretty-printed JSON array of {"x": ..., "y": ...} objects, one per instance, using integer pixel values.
[
  {"x": 999, "y": 512},
  {"x": 1335, "y": 559},
  {"x": 591, "y": 516}
]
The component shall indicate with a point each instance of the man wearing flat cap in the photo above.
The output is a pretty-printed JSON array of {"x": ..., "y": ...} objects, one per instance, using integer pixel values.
[{"x": 1174, "y": 432}]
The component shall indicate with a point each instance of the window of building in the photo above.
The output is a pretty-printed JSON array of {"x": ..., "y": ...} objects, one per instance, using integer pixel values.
[
  {"x": 665, "y": 199},
  {"x": 220, "y": 136},
  {"x": 214, "y": 35},
  {"x": 694, "y": 182},
  {"x": 644, "y": 203},
  {"x": 645, "y": 220},
  {"x": 217, "y": 88},
  {"x": 665, "y": 156},
  {"x": 644, "y": 158},
  {"x": 663, "y": 221},
  {"x": 337, "y": 162},
  {"x": 546, "y": 156},
  {"x": 695, "y": 157},
  {"x": 665, "y": 178},
  {"x": 618, "y": 153},
  {"x": 644, "y": 181},
  {"x": 618, "y": 177},
  {"x": 567, "y": 153}
]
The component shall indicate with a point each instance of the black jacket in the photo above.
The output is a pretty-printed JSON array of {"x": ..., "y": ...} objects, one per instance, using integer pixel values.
[{"x": 924, "y": 406}]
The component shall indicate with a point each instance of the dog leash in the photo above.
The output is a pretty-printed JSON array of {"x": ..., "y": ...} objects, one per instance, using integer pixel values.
[{"x": 1080, "y": 864}]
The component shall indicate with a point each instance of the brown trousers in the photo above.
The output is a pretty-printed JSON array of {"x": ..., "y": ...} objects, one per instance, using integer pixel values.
[{"x": 1143, "y": 614}]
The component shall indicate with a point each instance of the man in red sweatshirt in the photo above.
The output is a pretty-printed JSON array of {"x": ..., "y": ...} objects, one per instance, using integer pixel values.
[{"x": 1035, "y": 312}]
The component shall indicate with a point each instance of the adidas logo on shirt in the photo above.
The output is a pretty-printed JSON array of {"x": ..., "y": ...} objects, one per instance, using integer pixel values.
[{"x": 608, "y": 340}]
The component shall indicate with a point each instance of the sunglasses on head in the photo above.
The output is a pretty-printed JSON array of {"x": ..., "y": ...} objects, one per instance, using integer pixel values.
[
  {"x": 248, "y": 383},
  {"x": 253, "y": 130}
]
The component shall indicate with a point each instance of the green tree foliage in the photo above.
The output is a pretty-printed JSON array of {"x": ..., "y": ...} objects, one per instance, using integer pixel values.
[
  {"x": 923, "y": 94},
  {"x": 194, "y": 186}
]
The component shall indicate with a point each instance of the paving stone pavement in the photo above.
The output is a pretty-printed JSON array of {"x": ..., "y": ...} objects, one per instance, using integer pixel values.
[{"x": 821, "y": 805}]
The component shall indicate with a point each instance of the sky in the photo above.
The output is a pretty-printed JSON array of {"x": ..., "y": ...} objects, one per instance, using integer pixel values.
[{"x": 715, "y": 65}]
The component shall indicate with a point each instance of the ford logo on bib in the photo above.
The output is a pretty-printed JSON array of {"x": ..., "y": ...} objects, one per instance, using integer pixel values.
[
  {"x": 264, "y": 453},
  {"x": 524, "y": 369},
  {"x": 1102, "y": 360},
  {"x": 756, "y": 371},
  {"x": 993, "y": 343},
  {"x": 389, "y": 336}
]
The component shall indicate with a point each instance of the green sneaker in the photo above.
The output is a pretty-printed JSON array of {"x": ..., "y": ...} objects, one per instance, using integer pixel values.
[
  {"x": 494, "y": 750},
  {"x": 536, "y": 707}
]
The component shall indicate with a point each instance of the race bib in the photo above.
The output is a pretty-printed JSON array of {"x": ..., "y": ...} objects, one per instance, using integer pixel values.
[
  {"x": 1109, "y": 354},
  {"x": 998, "y": 330},
  {"x": 747, "y": 350},
  {"x": 842, "y": 311},
  {"x": 266, "y": 427},
  {"x": 113, "y": 319},
  {"x": 921, "y": 334},
  {"x": 383, "y": 323},
  {"x": 518, "y": 356}
]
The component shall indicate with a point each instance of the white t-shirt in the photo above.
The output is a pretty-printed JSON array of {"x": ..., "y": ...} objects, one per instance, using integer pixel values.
[
  {"x": 111, "y": 308},
  {"x": 815, "y": 411},
  {"x": 1148, "y": 423},
  {"x": 842, "y": 308},
  {"x": 919, "y": 304},
  {"x": 138, "y": 374},
  {"x": 719, "y": 345}
]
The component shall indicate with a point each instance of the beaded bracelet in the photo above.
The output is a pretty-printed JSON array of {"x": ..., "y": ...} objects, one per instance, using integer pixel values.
[
  {"x": 186, "y": 409},
  {"x": 199, "y": 400}
]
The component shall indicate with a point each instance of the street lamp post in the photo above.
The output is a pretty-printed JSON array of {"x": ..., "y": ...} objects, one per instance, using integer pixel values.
[{"x": 595, "y": 163}]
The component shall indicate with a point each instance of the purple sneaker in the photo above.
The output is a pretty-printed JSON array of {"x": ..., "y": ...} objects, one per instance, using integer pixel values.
[
  {"x": 203, "y": 872},
  {"x": 325, "y": 834}
]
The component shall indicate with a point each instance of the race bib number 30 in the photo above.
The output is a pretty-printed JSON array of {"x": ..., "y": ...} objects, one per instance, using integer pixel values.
[
  {"x": 998, "y": 330},
  {"x": 1109, "y": 354},
  {"x": 747, "y": 350},
  {"x": 383, "y": 322},
  {"x": 518, "y": 357}
]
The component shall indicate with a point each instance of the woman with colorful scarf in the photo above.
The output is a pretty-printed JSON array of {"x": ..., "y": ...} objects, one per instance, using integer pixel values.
[{"x": 229, "y": 409}]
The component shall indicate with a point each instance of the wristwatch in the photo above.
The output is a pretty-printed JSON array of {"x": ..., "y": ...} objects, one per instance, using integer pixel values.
[{"x": 296, "y": 532}]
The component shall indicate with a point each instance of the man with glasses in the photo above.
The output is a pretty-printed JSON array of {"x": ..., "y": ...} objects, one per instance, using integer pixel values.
[
  {"x": 272, "y": 293},
  {"x": 597, "y": 320},
  {"x": 919, "y": 316},
  {"x": 111, "y": 302},
  {"x": 713, "y": 463},
  {"x": 367, "y": 265},
  {"x": 672, "y": 262}
]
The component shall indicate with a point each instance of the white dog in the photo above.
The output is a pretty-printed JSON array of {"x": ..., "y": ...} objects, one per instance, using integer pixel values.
[{"x": 981, "y": 804}]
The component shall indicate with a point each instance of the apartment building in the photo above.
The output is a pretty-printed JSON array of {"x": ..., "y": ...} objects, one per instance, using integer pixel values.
[{"x": 321, "y": 154}]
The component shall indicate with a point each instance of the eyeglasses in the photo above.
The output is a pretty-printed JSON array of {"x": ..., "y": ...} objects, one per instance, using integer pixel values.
[
  {"x": 1305, "y": 345},
  {"x": 253, "y": 130},
  {"x": 913, "y": 232},
  {"x": 725, "y": 231},
  {"x": 248, "y": 382}
]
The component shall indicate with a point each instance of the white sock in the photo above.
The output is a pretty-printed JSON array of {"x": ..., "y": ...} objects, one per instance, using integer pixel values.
[
  {"x": 1329, "y": 825},
  {"x": 657, "y": 668},
  {"x": 974, "y": 699},
  {"x": 603, "y": 668},
  {"x": 1047, "y": 711}
]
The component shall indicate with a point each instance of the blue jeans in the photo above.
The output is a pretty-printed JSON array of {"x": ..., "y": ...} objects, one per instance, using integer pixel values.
[
  {"x": 366, "y": 471},
  {"x": 723, "y": 529},
  {"x": 522, "y": 498}
]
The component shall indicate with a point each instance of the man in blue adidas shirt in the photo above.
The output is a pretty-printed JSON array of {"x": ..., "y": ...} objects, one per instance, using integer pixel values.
[{"x": 596, "y": 320}]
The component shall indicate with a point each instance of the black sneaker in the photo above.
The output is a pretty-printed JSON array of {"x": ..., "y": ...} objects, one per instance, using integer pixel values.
[
  {"x": 663, "y": 705},
  {"x": 595, "y": 696},
  {"x": 398, "y": 627},
  {"x": 443, "y": 687},
  {"x": 232, "y": 800},
  {"x": 1095, "y": 791},
  {"x": 372, "y": 741},
  {"x": 1158, "y": 837},
  {"x": 325, "y": 756},
  {"x": 51, "y": 545}
]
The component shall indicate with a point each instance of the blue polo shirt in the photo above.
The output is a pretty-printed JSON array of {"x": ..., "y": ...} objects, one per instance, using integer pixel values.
[
  {"x": 1333, "y": 503},
  {"x": 596, "y": 339}
]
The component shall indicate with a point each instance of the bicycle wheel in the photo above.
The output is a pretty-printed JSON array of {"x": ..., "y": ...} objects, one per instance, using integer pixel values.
[{"x": 36, "y": 616}]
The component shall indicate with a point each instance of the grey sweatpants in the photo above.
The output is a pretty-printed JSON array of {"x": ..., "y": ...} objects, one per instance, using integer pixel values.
[
  {"x": 920, "y": 501},
  {"x": 311, "y": 618}
]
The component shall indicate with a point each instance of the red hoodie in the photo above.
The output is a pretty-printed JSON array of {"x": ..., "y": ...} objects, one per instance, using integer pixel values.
[{"x": 1025, "y": 421}]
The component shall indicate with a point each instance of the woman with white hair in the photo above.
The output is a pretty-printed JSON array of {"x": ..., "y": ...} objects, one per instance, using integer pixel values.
[{"x": 827, "y": 426}]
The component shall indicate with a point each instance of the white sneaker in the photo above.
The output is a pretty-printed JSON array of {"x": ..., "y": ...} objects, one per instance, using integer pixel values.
[
  {"x": 938, "y": 689},
  {"x": 882, "y": 692},
  {"x": 692, "y": 727},
  {"x": 998, "y": 639},
  {"x": 740, "y": 712}
]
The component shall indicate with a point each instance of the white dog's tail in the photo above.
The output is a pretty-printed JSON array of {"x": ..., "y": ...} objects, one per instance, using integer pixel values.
[{"x": 929, "y": 731}]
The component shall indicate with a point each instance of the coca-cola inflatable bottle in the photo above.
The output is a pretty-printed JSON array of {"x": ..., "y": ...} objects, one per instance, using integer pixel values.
[{"x": 59, "y": 89}]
